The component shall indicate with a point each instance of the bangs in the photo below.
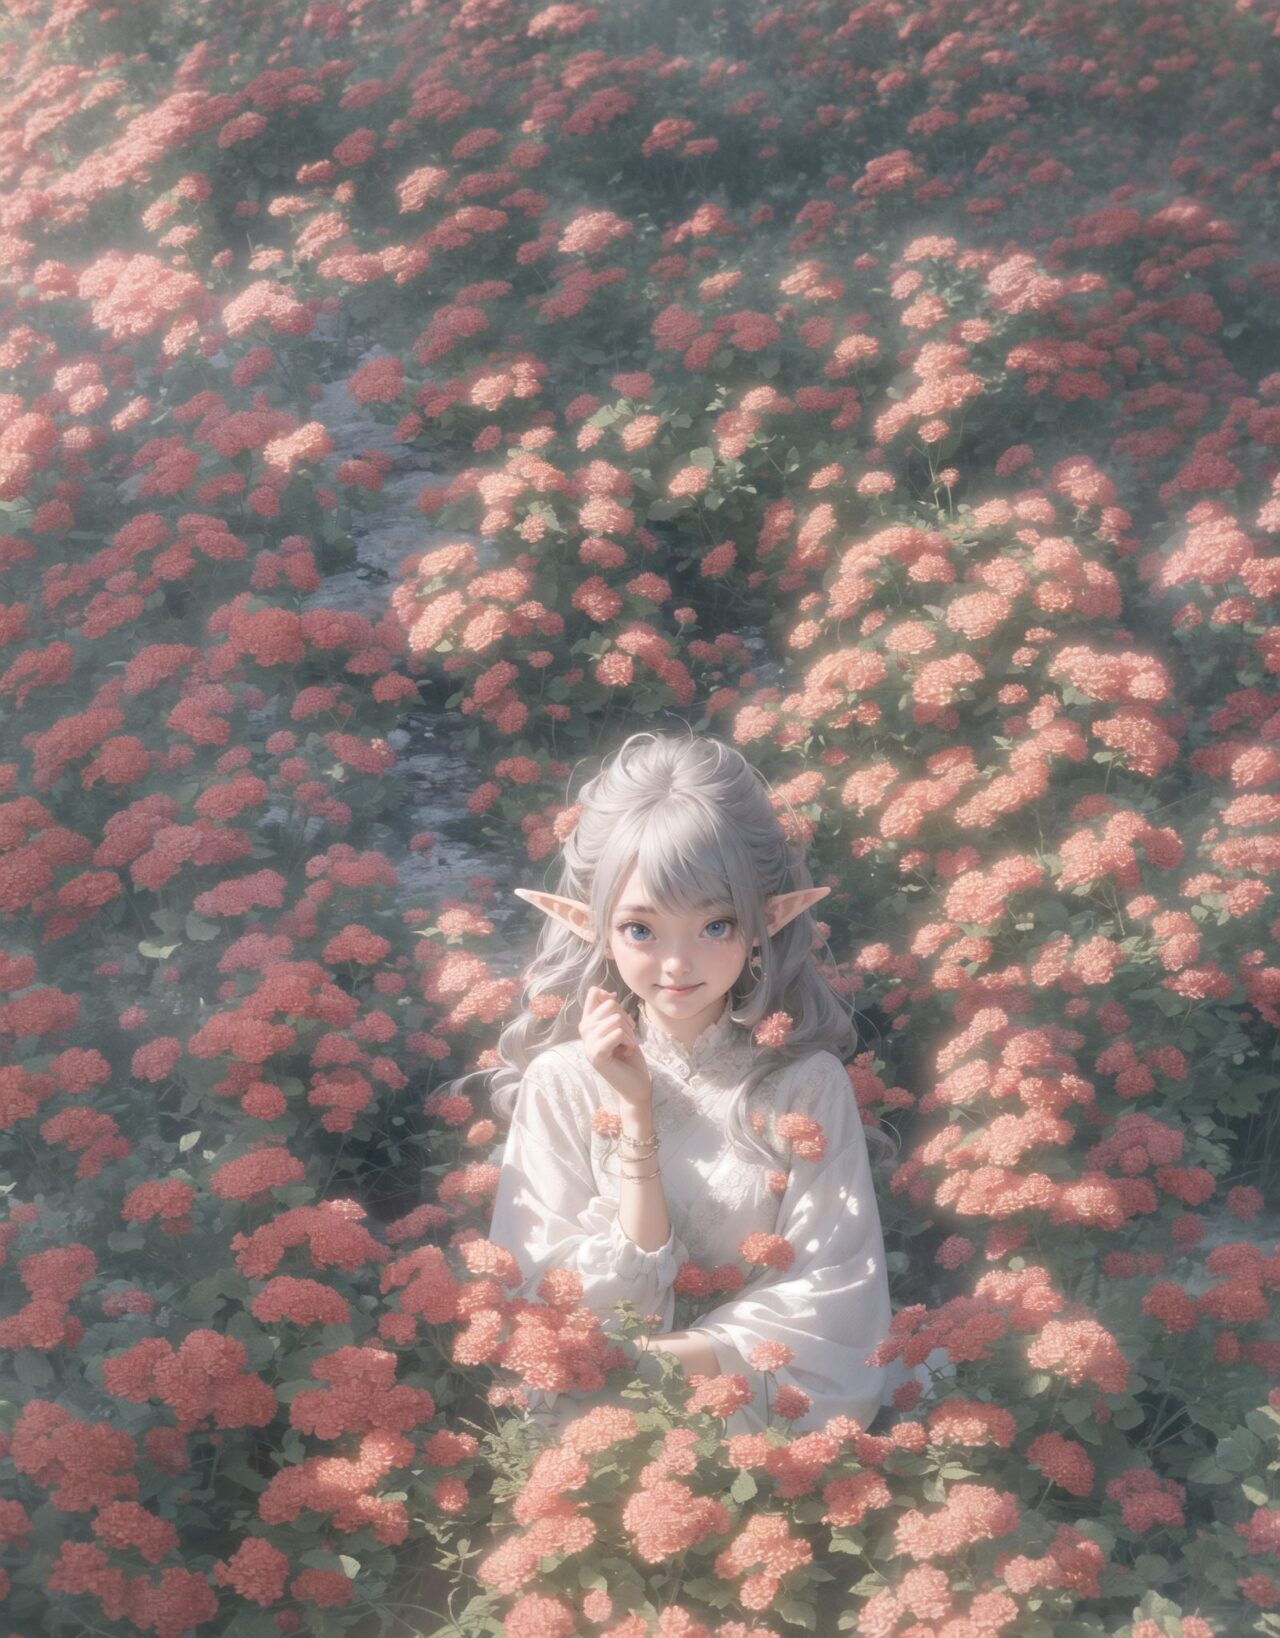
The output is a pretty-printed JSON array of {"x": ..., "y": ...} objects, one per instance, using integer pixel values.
[{"x": 680, "y": 862}]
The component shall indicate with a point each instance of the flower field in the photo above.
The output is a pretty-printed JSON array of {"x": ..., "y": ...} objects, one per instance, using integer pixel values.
[{"x": 891, "y": 389}]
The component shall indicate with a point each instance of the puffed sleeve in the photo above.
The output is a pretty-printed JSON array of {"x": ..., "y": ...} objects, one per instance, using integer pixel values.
[
  {"x": 548, "y": 1214},
  {"x": 832, "y": 1306}
]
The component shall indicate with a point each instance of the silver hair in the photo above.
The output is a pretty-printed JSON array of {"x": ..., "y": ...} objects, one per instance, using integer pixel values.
[{"x": 700, "y": 823}]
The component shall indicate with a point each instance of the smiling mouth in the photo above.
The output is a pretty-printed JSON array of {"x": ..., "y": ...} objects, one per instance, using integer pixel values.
[{"x": 678, "y": 989}]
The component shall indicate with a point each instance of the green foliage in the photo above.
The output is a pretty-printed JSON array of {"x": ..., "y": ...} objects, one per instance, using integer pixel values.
[{"x": 1020, "y": 715}]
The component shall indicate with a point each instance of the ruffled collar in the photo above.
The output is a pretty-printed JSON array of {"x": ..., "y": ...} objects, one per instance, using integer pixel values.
[{"x": 717, "y": 1039}]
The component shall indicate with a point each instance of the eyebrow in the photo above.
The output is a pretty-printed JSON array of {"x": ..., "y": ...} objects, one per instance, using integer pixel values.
[{"x": 648, "y": 909}]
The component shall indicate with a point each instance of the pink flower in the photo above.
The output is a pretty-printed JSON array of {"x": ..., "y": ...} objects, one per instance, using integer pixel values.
[
  {"x": 666, "y": 1518},
  {"x": 769, "y": 1356},
  {"x": 257, "y": 1570},
  {"x": 256, "y": 1173},
  {"x": 970, "y": 1514},
  {"x": 536, "y": 1615},
  {"x": 1063, "y": 1460}
]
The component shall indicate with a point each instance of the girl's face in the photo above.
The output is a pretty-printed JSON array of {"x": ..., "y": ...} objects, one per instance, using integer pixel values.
[{"x": 681, "y": 965}]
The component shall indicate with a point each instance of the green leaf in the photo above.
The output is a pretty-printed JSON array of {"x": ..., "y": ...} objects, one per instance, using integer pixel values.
[
  {"x": 709, "y": 1591},
  {"x": 238, "y": 1470},
  {"x": 316, "y": 1558},
  {"x": 155, "y": 952},
  {"x": 846, "y": 1544},
  {"x": 1154, "y": 1605},
  {"x": 201, "y": 930},
  {"x": 798, "y": 1612},
  {"x": 31, "y": 1367},
  {"x": 202, "y": 1297},
  {"x": 287, "y": 1392},
  {"x": 1206, "y": 1471},
  {"x": 188, "y": 1140},
  {"x": 743, "y": 1487},
  {"x": 1239, "y": 1450},
  {"x": 1264, "y": 1421}
]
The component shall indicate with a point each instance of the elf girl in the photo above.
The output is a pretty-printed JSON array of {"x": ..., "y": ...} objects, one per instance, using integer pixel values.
[{"x": 660, "y": 1113}]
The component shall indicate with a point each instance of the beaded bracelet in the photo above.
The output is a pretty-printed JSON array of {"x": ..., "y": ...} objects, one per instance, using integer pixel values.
[{"x": 641, "y": 1149}]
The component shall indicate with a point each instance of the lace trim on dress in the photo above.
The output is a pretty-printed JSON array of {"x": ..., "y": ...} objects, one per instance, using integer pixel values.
[{"x": 719, "y": 1036}]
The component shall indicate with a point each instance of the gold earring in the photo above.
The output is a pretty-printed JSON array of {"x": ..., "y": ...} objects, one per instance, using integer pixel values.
[{"x": 755, "y": 966}]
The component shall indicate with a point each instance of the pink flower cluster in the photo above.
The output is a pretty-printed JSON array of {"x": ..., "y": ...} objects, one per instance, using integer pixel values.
[
  {"x": 331, "y": 1233},
  {"x": 82, "y": 1465},
  {"x": 169, "y": 1202},
  {"x": 205, "y": 1377},
  {"x": 341, "y": 1489},
  {"x": 362, "y": 1395},
  {"x": 970, "y": 1514},
  {"x": 54, "y": 1279}
]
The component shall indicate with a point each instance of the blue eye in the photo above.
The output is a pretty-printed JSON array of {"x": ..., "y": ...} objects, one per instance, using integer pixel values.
[{"x": 720, "y": 921}]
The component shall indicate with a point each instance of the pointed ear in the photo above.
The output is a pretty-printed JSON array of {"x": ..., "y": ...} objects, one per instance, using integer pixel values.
[
  {"x": 575, "y": 916},
  {"x": 785, "y": 907}
]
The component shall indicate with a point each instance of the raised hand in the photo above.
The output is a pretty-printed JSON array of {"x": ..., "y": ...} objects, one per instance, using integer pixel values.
[{"x": 609, "y": 1036}]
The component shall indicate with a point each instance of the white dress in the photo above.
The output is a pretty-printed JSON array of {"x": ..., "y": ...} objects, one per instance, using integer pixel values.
[{"x": 556, "y": 1206}]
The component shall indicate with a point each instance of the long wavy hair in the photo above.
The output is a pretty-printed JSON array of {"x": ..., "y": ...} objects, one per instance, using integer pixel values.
[{"x": 700, "y": 823}]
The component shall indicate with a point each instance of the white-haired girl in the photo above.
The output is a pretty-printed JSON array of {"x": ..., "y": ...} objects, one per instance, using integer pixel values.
[{"x": 681, "y": 921}]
